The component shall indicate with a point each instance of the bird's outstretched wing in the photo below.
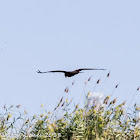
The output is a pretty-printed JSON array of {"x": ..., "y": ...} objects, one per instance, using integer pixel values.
[
  {"x": 57, "y": 71},
  {"x": 88, "y": 69},
  {"x": 50, "y": 71}
]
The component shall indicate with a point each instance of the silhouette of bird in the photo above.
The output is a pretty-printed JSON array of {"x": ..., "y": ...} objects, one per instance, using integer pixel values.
[{"x": 69, "y": 73}]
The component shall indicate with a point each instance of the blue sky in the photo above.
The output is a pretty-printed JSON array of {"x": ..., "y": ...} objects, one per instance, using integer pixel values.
[{"x": 66, "y": 35}]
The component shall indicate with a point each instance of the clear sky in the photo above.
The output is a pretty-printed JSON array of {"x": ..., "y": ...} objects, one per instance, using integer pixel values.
[{"x": 66, "y": 35}]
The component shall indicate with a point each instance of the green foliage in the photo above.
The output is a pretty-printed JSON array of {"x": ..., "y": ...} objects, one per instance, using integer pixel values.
[
  {"x": 105, "y": 121},
  {"x": 108, "y": 121}
]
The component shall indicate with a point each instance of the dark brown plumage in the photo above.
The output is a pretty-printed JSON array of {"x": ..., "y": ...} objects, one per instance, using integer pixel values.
[{"x": 69, "y": 73}]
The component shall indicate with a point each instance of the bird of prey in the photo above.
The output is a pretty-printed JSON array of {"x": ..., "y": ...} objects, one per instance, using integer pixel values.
[{"x": 69, "y": 73}]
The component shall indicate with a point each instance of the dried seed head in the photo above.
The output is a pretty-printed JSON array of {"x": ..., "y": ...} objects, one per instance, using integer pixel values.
[
  {"x": 124, "y": 103},
  {"x": 9, "y": 116},
  {"x": 18, "y": 106},
  {"x": 89, "y": 78},
  {"x": 66, "y": 90},
  {"x": 63, "y": 104},
  {"x": 117, "y": 86},
  {"x": 110, "y": 103},
  {"x": 108, "y": 97},
  {"x": 114, "y": 101},
  {"x": 120, "y": 105},
  {"x": 108, "y": 74},
  {"x": 98, "y": 81},
  {"x": 76, "y": 106},
  {"x": 106, "y": 100},
  {"x": 27, "y": 121},
  {"x": 58, "y": 105},
  {"x": 61, "y": 100}
]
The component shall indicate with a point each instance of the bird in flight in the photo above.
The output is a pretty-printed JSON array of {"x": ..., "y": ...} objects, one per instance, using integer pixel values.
[{"x": 69, "y": 73}]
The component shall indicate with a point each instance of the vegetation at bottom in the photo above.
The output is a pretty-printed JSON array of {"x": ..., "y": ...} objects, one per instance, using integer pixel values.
[{"x": 98, "y": 119}]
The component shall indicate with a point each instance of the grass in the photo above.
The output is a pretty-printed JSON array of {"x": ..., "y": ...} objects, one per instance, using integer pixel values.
[{"x": 97, "y": 120}]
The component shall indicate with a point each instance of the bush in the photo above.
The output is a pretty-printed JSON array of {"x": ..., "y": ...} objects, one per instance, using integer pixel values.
[{"x": 99, "y": 119}]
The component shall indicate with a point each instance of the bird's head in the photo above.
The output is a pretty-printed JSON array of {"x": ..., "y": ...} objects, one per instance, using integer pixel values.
[{"x": 38, "y": 71}]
